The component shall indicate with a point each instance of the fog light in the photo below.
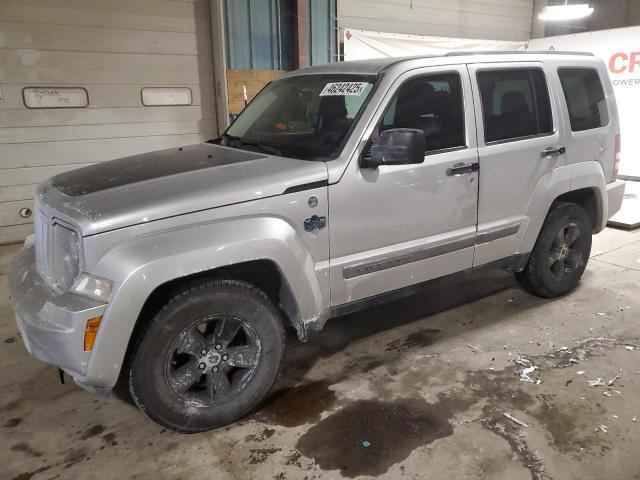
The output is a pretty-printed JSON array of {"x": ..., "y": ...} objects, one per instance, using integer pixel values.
[
  {"x": 94, "y": 287},
  {"x": 90, "y": 332}
]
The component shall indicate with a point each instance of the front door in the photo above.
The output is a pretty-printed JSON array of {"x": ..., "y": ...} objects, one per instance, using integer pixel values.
[{"x": 394, "y": 226}]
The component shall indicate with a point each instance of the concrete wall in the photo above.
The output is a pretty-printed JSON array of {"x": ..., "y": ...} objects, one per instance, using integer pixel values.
[
  {"x": 113, "y": 49},
  {"x": 488, "y": 19}
]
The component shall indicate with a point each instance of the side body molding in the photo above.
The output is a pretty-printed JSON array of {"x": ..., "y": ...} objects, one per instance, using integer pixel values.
[
  {"x": 138, "y": 267},
  {"x": 557, "y": 182}
]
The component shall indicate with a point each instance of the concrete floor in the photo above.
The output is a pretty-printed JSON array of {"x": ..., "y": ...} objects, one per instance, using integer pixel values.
[{"x": 425, "y": 381}]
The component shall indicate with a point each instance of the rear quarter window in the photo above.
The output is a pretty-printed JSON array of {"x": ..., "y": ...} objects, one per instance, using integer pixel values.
[{"x": 585, "y": 98}]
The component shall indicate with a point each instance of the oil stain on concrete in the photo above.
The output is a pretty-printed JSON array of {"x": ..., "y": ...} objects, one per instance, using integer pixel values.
[
  {"x": 13, "y": 422},
  {"x": 420, "y": 339},
  {"x": 292, "y": 407},
  {"x": 26, "y": 448},
  {"x": 368, "y": 436}
]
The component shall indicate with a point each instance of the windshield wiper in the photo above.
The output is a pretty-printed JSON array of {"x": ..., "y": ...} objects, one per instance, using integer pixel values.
[
  {"x": 273, "y": 148},
  {"x": 233, "y": 138},
  {"x": 266, "y": 147}
]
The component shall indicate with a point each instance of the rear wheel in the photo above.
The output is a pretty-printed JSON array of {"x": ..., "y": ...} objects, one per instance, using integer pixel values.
[
  {"x": 561, "y": 252},
  {"x": 208, "y": 357}
]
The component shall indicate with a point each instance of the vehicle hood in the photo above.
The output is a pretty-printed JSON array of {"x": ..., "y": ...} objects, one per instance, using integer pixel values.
[{"x": 151, "y": 186}]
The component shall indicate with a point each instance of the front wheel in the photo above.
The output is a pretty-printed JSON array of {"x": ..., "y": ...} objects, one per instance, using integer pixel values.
[
  {"x": 208, "y": 357},
  {"x": 561, "y": 253}
]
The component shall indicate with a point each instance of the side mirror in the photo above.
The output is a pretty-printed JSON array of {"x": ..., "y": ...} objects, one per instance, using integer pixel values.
[{"x": 398, "y": 146}]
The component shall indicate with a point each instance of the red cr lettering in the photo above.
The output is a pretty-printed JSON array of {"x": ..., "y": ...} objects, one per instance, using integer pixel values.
[
  {"x": 614, "y": 58},
  {"x": 621, "y": 62},
  {"x": 634, "y": 62}
]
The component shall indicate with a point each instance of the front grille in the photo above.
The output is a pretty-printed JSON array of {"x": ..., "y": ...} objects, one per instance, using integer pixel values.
[
  {"x": 57, "y": 250},
  {"x": 65, "y": 256},
  {"x": 41, "y": 225}
]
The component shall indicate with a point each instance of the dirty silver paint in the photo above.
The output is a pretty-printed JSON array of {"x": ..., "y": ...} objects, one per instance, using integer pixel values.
[{"x": 142, "y": 226}]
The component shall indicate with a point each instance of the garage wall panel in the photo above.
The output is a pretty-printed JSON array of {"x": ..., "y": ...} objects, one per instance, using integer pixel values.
[
  {"x": 487, "y": 19},
  {"x": 94, "y": 116},
  {"x": 120, "y": 14},
  {"x": 65, "y": 153},
  {"x": 114, "y": 130},
  {"x": 33, "y": 175},
  {"x": 10, "y": 233},
  {"x": 96, "y": 39},
  {"x": 102, "y": 96},
  {"x": 112, "y": 49},
  {"x": 10, "y": 212},
  {"x": 15, "y": 192}
]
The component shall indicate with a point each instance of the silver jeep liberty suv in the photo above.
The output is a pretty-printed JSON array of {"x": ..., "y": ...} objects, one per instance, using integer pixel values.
[{"x": 339, "y": 186}]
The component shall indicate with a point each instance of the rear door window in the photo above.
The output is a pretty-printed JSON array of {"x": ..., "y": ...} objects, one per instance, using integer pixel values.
[
  {"x": 585, "y": 98},
  {"x": 515, "y": 104}
]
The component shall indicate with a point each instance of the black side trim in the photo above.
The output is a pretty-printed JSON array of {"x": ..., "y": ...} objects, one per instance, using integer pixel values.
[
  {"x": 306, "y": 186},
  {"x": 517, "y": 139},
  {"x": 445, "y": 150},
  {"x": 363, "y": 268},
  {"x": 492, "y": 235},
  {"x": 382, "y": 298},
  {"x": 513, "y": 263}
]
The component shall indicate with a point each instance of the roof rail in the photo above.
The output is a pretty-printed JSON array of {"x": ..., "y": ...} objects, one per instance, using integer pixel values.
[{"x": 518, "y": 52}]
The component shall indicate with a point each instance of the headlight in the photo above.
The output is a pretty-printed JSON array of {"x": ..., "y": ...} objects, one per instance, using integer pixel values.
[
  {"x": 65, "y": 256},
  {"x": 94, "y": 287}
]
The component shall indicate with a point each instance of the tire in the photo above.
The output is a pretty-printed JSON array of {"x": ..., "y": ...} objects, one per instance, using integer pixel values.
[
  {"x": 208, "y": 357},
  {"x": 559, "y": 258}
]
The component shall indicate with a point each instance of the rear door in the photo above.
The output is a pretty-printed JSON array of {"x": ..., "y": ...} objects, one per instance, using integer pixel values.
[{"x": 518, "y": 141}]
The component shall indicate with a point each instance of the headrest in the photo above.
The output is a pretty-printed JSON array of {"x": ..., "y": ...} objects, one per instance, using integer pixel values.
[
  {"x": 514, "y": 102},
  {"x": 333, "y": 107}
]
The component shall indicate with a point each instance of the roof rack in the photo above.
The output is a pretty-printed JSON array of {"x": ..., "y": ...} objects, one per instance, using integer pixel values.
[{"x": 518, "y": 52}]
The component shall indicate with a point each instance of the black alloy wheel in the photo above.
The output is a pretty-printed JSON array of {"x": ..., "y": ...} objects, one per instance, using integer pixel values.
[{"x": 213, "y": 360}]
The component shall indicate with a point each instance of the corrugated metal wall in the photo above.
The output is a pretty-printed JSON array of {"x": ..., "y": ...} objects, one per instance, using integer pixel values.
[
  {"x": 259, "y": 34},
  {"x": 488, "y": 19},
  {"x": 252, "y": 40},
  {"x": 322, "y": 31},
  {"x": 113, "y": 49}
]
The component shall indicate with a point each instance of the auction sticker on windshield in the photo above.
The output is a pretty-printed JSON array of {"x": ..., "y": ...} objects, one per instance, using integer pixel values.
[{"x": 343, "y": 88}]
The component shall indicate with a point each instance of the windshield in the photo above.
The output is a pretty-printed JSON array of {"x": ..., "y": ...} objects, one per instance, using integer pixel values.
[{"x": 306, "y": 117}]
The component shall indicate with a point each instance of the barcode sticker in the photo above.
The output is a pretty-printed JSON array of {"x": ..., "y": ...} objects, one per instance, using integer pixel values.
[{"x": 343, "y": 88}]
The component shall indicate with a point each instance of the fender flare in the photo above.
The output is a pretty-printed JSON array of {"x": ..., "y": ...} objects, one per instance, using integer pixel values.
[
  {"x": 141, "y": 265},
  {"x": 554, "y": 184}
]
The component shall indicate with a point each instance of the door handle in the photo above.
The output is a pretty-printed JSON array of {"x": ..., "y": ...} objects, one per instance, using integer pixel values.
[
  {"x": 462, "y": 168},
  {"x": 553, "y": 152}
]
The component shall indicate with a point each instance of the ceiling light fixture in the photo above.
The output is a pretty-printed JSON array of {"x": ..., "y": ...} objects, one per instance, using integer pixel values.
[{"x": 565, "y": 12}]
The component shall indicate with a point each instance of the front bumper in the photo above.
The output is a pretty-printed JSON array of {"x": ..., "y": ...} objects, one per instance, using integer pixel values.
[
  {"x": 52, "y": 324},
  {"x": 615, "y": 194}
]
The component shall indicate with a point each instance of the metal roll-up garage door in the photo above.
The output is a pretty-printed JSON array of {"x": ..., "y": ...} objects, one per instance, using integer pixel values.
[{"x": 69, "y": 50}]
